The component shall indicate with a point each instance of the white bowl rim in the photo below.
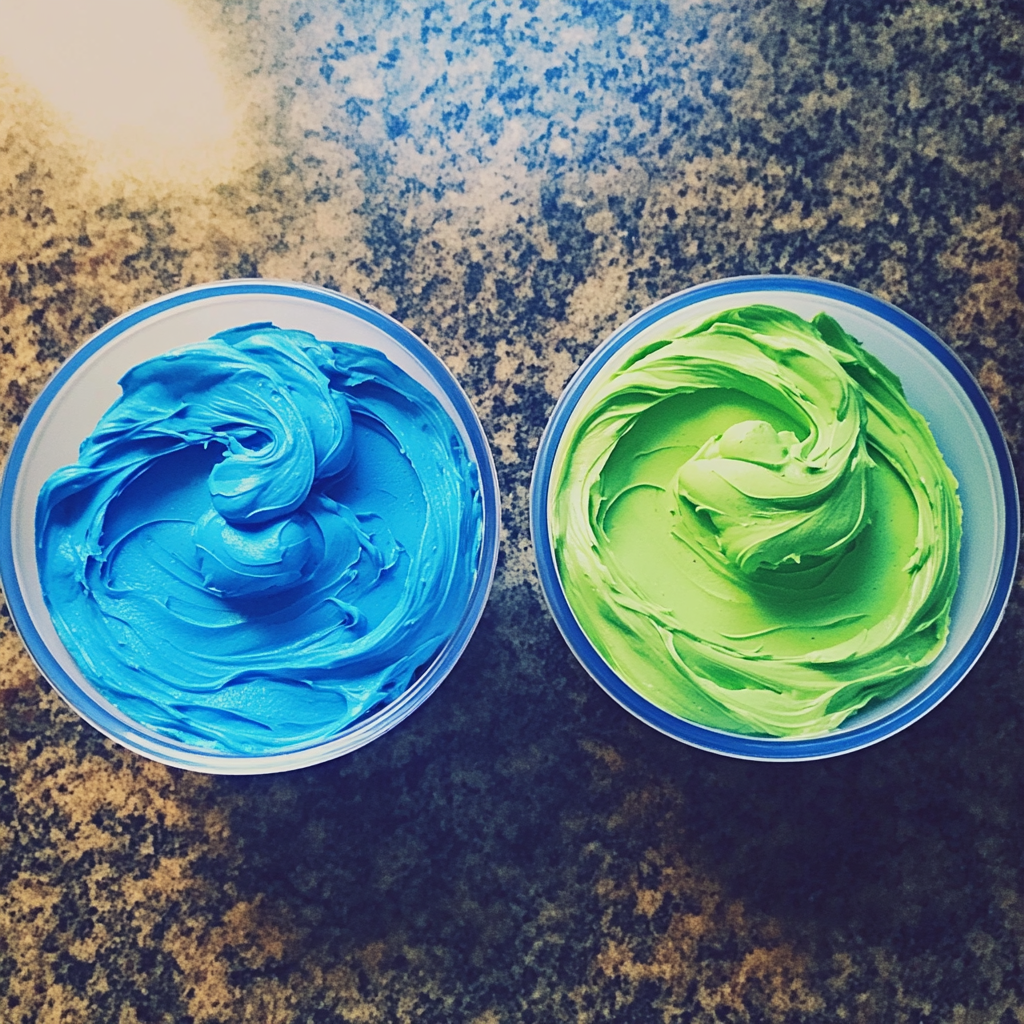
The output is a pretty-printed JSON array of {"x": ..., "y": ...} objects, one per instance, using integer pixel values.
[
  {"x": 145, "y": 741},
  {"x": 755, "y": 748}
]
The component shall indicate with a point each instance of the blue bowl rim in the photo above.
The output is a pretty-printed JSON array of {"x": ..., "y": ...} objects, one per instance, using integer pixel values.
[
  {"x": 357, "y": 734},
  {"x": 733, "y": 744}
]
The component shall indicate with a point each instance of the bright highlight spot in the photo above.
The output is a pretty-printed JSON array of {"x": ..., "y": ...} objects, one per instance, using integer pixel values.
[{"x": 133, "y": 77}]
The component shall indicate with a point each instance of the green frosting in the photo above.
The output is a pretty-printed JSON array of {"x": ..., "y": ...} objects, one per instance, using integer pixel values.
[{"x": 754, "y": 528}]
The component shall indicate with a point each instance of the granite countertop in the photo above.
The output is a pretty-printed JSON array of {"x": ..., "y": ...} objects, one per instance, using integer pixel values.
[{"x": 512, "y": 179}]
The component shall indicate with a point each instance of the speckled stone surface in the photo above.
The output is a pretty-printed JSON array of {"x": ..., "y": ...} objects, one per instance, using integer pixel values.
[{"x": 512, "y": 179}]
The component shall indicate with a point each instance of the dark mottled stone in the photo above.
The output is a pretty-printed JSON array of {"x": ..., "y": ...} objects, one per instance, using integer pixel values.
[{"x": 513, "y": 180}]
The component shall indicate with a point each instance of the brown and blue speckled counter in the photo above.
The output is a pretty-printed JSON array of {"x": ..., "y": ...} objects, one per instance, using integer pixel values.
[{"x": 513, "y": 179}]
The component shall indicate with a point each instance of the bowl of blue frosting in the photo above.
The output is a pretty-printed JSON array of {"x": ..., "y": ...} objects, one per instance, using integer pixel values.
[{"x": 249, "y": 527}]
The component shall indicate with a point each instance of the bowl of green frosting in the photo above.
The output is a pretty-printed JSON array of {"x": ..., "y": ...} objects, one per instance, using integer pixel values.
[{"x": 775, "y": 518}]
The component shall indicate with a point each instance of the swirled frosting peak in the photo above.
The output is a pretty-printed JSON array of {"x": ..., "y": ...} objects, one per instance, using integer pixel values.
[
  {"x": 753, "y": 527},
  {"x": 773, "y": 497},
  {"x": 264, "y": 538}
]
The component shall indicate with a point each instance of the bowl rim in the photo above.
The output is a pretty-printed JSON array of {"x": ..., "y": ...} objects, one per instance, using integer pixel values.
[
  {"x": 147, "y": 742},
  {"x": 736, "y": 745}
]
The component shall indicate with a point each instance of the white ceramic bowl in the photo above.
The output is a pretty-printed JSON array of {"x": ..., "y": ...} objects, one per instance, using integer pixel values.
[
  {"x": 67, "y": 411},
  {"x": 938, "y": 385}
]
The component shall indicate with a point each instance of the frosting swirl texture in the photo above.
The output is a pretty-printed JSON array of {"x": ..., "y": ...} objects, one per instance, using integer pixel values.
[
  {"x": 264, "y": 538},
  {"x": 753, "y": 527}
]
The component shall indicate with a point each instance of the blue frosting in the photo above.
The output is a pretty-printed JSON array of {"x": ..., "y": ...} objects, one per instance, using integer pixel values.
[{"x": 264, "y": 539}]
